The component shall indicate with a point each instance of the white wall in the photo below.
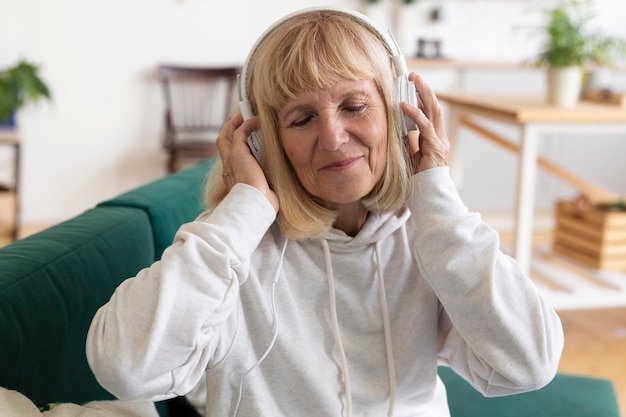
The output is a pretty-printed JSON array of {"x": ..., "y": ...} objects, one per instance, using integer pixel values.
[{"x": 101, "y": 133}]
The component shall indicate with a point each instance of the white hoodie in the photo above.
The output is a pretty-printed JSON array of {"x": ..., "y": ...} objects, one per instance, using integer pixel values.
[{"x": 362, "y": 322}]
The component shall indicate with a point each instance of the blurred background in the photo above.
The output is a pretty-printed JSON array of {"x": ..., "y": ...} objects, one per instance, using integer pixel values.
[{"x": 101, "y": 133}]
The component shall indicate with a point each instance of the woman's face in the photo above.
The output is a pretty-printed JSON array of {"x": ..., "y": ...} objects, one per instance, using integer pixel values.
[{"x": 336, "y": 140}]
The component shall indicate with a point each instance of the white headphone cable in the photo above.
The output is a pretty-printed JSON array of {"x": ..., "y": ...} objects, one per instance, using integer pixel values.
[{"x": 279, "y": 268}]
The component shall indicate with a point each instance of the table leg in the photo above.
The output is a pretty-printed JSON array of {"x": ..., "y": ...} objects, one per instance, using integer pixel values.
[
  {"x": 455, "y": 158},
  {"x": 527, "y": 173}
]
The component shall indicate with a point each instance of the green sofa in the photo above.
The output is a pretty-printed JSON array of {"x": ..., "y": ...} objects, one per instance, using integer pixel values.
[{"x": 51, "y": 284}]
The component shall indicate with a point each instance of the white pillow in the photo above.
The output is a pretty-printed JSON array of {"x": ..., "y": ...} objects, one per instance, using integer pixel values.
[{"x": 13, "y": 403}]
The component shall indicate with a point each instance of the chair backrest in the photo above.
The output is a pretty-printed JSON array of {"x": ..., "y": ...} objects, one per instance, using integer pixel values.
[{"x": 198, "y": 101}]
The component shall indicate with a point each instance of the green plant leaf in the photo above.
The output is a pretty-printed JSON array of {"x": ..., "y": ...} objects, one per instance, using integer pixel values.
[
  {"x": 568, "y": 42},
  {"x": 19, "y": 85}
]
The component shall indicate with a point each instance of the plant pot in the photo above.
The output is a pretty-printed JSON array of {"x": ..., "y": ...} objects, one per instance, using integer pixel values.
[
  {"x": 10, "y": 123},
  {"x": 564, "y": 86}
]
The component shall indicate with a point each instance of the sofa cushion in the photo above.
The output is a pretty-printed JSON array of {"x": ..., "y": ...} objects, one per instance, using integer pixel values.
[
  {"x": 51, "y": 285},
  {"x": 566, "y": 396},
  {"x": 169, "y": 202}
]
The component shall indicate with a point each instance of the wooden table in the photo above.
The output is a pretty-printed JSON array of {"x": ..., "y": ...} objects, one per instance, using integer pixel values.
[
  {"x": 534, "y": 117},
  {"x": 11, "y": 138}
]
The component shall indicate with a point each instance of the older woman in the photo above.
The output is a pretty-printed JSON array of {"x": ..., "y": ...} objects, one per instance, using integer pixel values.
[{"x": 336, "y": 275}]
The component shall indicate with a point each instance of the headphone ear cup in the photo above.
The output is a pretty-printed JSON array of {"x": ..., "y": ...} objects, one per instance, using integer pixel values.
[{"x": 406, "y": 92}]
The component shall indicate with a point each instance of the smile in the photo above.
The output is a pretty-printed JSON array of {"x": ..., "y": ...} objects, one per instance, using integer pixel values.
[{"x": 342, "y": 165}]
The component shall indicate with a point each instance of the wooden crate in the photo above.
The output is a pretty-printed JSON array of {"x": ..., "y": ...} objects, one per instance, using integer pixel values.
[
  {"x": 594, "y": 235},
  {"x": 605, "y": 97}
]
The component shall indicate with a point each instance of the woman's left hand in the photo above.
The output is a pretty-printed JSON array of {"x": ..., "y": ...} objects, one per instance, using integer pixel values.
[{"x": 434, "y": 146}]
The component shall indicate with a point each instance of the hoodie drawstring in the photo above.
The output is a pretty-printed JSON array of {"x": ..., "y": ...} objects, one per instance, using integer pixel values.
[
  {"x": 391, "y": 365},
  {"x": 391, "y": 368},
  {"x": 335, "y": 328}
]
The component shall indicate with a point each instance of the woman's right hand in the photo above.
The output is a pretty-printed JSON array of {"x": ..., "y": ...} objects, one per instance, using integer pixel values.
[{"x": 239, "y": 165}]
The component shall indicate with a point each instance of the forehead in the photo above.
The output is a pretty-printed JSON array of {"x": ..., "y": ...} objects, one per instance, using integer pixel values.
[{"x": 342, "y": 90}]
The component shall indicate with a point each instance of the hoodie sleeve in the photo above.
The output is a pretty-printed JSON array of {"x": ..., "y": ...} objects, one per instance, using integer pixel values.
[
  {"x": 160, "y": 329},
  {"x": 496, "y": 330}
]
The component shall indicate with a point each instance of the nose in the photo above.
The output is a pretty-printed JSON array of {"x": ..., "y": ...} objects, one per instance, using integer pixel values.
[{"x": 332, "y": 132}]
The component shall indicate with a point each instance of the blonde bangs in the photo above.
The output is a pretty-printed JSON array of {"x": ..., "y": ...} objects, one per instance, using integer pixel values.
[{"x": 315, "y": 52}]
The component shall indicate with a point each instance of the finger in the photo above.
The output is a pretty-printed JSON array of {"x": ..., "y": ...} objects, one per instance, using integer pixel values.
[
  {"x": 417, "y": 115},
  {"x": 248, "y": 126},
  {"x": 225, "y": 144},
  {"x": 427, "y": 98},
  {"x": 429, "y": 104},
  {"x": 234, "y": 134},
  {"x": 433, "y": 143},
  {"x": 225, "y": 138},
  {"x": 238, "y": 162},
  {"x": 242, "y": 163}
]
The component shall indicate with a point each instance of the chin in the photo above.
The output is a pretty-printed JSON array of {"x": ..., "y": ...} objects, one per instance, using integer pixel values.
[{"x": 339, "y": 199}]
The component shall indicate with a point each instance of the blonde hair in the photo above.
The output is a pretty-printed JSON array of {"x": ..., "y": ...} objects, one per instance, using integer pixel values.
[{"x": 309, "y": 52}]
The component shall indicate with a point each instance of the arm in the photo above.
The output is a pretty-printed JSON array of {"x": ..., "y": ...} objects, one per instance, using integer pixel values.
[
  {"x": 496, "y": 330},
  {"x": 160, "y": 329}
]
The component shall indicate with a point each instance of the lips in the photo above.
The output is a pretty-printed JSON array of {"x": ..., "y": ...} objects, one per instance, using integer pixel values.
[{"x": 341, "y": 165}]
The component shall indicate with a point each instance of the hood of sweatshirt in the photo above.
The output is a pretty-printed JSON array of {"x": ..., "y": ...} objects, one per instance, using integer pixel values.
[{"x": 376, "y": 228}]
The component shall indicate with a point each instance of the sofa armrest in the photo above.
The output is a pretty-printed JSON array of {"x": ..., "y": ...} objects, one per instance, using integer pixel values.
[{"x": 51, "y": 285}]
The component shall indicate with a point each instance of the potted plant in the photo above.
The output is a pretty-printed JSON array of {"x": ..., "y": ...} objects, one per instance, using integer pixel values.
[
  {"x": 569, "y": 47},
  {"x": 19, "y": 85},
  {"x": 605, "y": 52}
]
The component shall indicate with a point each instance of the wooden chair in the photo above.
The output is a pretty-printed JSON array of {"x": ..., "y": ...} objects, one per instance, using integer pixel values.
[{"x": 197, "y": 103}]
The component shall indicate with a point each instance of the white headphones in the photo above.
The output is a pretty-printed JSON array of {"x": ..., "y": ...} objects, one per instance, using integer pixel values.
[{"x": 405, "y": 88}]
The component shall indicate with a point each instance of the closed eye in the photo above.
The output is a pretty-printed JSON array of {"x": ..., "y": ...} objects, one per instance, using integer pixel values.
[
  {"x": 301, "y": 121},
  {"x": 358, "y": 109}
]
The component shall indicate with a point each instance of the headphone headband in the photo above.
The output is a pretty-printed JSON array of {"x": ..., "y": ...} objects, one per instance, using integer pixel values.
[{"x": 385, "y": 35}]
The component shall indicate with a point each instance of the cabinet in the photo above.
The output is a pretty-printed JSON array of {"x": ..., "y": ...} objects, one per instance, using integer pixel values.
[{"x": 9, "y": 187}]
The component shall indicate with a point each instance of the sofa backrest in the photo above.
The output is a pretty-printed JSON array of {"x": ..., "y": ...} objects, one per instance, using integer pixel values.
[
  {"x": 51, "y": 285},
  {"x": 169, "y": 202}
]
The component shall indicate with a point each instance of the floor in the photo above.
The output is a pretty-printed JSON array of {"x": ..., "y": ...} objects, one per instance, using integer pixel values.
[
  {"x": 7, "y": 213},
  {"x": 595, "y": 344},
  {"x": 595, "y": 338}
]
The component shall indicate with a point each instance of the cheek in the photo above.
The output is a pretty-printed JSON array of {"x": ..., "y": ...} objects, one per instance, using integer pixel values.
[
  {"x": 294, "y": 153},
  {"x": 298, "y": 146},
  {"x": 379, "y": 159},
  {"x": 379, "y": 146},
  {"x": 298, "y": 155}
]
